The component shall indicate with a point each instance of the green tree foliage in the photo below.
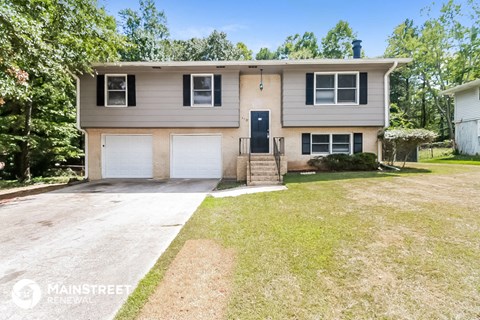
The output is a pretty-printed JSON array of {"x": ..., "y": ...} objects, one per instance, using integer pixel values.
[
  {"x": 299, "y": 47},
  {"x": 215, "y": 47},
  {"x": 398, "y": 118},
  {"x": 266, "y": 54},
  {"x": 245, "y": 53},
  {"x": 446, "y": 52},
  {"x": 40, "y": 43},
  {"x": 337, "y": 44},
  {"x": 146, "y": 32}
]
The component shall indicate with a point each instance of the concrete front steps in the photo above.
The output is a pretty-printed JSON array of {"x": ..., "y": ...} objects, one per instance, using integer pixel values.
[{"x": 263, "y": 169}]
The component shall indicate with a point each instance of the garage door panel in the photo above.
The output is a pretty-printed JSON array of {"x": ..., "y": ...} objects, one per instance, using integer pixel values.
[
  {"x": 196, "y": 156},
  {"x": 128, "y": 156}
]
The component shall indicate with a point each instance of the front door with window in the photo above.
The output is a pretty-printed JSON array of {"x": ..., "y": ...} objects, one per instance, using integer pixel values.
[{"x": 260, "y": 131}]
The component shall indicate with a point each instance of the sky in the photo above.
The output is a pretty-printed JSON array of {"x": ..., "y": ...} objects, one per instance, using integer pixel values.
[{"x": 267, "y": 23}]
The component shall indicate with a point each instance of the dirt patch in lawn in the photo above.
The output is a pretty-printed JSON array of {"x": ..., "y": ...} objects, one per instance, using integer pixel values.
[
  {"x": 196, "y": 286},
  {"x": 410, "y": 193}
]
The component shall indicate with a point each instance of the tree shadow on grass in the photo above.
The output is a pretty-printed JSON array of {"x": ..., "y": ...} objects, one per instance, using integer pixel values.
[{"x": 296, "y": 177}]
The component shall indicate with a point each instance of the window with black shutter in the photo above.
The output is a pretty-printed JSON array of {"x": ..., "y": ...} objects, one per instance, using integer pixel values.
[
  {"x": 357, "y": 142},
  {"x": 305, "y": 143},
  {"x": 116, "y": 90}
]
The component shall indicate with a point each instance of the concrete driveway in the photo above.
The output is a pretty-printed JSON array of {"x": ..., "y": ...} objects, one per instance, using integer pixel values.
[{"x": 78, "y": 252}]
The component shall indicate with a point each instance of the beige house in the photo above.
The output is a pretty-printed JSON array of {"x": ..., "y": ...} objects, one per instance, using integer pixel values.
[{"x": 249, "y": 120}]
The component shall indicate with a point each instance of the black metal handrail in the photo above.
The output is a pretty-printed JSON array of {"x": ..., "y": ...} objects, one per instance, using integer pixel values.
[
  {"x": 244, "y": 147},
  {"x": 278, "y": 151}
]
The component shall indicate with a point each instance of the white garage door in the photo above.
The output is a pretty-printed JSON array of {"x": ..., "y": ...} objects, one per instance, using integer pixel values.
[
  {"x": 196, "y": 156},
  {"x": 127, "y": 156}
]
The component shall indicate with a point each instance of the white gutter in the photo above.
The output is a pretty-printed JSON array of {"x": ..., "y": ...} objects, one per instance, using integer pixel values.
[
  {"x": 77, "y": 79},
  {"x": 386, "y": 92},
  {"x": 258, "y": 63},
  {"x": 386, "y": 87}
]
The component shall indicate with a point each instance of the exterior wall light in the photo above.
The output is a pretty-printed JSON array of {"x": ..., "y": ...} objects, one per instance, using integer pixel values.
[{"x": 261, "y": 79}]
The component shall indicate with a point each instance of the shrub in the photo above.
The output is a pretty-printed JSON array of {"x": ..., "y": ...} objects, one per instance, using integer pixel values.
[
  {"x": 343, "y": 162},
  {"x": 403, "y": 139},
  {"x": 338, "y": 162},
  {"x": 365, "y": 161}
]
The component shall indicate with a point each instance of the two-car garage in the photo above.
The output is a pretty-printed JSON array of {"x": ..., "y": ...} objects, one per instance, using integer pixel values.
[{"x": 132, "y": 156}]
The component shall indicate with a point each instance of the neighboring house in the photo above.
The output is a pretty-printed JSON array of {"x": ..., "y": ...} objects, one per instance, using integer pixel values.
[
  {"x": 467, "y": 116},
  {"x": 229, "y": 119}
]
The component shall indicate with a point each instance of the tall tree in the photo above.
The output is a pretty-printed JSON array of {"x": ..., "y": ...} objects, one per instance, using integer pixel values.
[
  {"x": 446, "y": 52},
  {"x": 245, "y": 53},
  {"x": 337, "y": 44},
  {"x": 147, "y": 33},
  {"x": 299, "y": 47},
  {"x": 266, "y": 54},
  {"x": 215, "y": 47},
  {"x": 40, "y": 43}
]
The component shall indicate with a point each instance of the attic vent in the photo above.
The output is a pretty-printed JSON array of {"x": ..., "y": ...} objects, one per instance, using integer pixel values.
[
  {"x": 252, "y": 67},
  {"x": 156, "y": 67},
  {"x": 220, "y": 67}
]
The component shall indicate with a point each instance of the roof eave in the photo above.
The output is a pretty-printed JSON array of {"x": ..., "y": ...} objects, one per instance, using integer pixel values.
[
  {"x": 400, "y": 61},
  {"x": 462, "y": 87}
]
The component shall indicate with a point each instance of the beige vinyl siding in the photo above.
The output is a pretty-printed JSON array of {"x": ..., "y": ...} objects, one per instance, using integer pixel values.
[
  {"x": 467, "y": 105},
  {"x": 295, "y": 113},
  {"x": 159, "y": 103}
]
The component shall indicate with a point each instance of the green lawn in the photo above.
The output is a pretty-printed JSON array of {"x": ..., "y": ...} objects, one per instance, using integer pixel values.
[
  {"x": 346, "y": 246},
  {"x": 446, "y": 155}
]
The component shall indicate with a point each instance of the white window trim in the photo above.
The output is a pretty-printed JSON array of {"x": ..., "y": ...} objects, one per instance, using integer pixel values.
[
  {"x": 335, "y": 74},
  {"x": 192, "y": 90},
  {"x": 106, "y": 90},
  {"x": 330, "y": 142}
]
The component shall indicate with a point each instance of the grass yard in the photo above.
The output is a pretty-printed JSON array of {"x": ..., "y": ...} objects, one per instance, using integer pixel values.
[
  {"x": 346, "y": 246},
  {"x": 446, "y": 155}
]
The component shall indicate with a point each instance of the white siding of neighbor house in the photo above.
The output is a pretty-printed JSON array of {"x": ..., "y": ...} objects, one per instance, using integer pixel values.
[
  {"x": 467, "y": 137},
  {"x": 467, "y": 105},
  {"x": 159, "y": 103},
  {"x": 297, "y": 114}
]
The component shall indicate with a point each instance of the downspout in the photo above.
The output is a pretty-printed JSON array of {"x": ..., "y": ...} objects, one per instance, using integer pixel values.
[
  {"x": 386, "y": 90},
  {"x": 386, "y": 87},
  {"x": 77, "y": 79}
]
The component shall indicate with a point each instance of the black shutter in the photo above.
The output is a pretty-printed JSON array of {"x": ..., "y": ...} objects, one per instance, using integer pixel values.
[
  {"x": 217, "y": 94},
  {"x": 363, "y": 88},
  {"x": 357, "y": 142},
  {"x": 186, "y": 90},
  {"x": 132, "y": 97},
  {"x": 309, "y": 89},
  {"x": 101, "y": 90},
  {"x": 305, "y": 143}
]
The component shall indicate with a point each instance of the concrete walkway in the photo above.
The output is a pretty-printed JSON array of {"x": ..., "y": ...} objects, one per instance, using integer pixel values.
[
  {"x": 245, "y": 190},
  {"x": 77, "y": 253}
]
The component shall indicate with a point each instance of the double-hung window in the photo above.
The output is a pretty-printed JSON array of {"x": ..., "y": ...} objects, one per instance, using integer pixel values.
[
  {"x": 202, "y": 90},
  {"x": 331, "y": 143},
  {"x": 336, "y": 88},
  {"x": 116, "y": 90}
]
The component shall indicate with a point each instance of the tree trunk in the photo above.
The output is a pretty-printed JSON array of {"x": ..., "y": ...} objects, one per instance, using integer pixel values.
[
  {"x": 424, "y": 106},
  {"x": 24, "y": 160},
  {"x": 448, "y": 117},
  {"x": 445, "y": 112},
  {"x": 407, "y": 98}
]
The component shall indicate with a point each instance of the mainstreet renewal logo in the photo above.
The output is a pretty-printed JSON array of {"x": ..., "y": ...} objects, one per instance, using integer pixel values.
[{"x": 26, "y": 293}]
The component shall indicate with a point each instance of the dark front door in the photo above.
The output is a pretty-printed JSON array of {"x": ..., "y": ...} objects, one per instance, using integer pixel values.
[{"x": 260, "y": 130}]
